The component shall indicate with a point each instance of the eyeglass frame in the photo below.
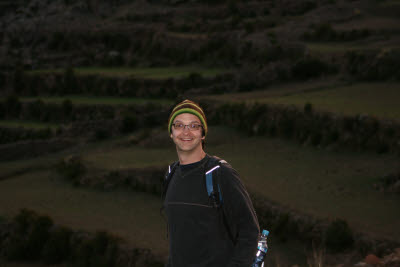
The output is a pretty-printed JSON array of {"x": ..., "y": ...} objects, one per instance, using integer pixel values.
[{"x": 188, "y": 126}]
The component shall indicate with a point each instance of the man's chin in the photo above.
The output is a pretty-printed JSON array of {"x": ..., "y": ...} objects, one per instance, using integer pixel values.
[{"x": 186, "y": 148}]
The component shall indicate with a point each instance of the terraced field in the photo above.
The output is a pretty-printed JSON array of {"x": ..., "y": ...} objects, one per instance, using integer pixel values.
[
  {"x": 93, "y": 100},
  {"x": 374, "y": 99},
  {"x": 27, "y": 124},
  {"x": 143, "y": 73}
]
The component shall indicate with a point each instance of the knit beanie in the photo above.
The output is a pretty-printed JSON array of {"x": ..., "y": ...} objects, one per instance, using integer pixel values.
[{"x": 191, "y": 107}]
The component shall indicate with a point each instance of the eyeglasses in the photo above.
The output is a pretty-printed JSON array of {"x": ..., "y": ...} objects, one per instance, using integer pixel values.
[{"x": 191, "y": 127}]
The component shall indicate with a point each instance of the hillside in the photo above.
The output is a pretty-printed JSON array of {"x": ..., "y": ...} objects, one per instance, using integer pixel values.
[{"x": 301, "y": 97}]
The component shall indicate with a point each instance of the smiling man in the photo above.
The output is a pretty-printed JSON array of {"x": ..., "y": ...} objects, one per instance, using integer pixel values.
[{"x": 211, "y": 220}]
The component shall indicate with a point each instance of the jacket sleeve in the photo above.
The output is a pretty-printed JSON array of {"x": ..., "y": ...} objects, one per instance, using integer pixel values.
[{"x": 240, "y": 217}]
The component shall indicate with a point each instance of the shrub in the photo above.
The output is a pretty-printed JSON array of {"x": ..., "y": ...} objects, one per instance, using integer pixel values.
[
  {"x": 196, "y": 79},
  {"x": 129, "y": 123},
  {"x": 70, "y": 81},
  {"x": 38, "y": 237},
  {"x": 101, "y": 134},
  {"x": 249, "y": 27},
  {"x": 57, "y": 247},
  {"x": 323, "y": 32},
  {"x": 72, "y": 169},
  {"x": 2, "y": 110},
  {"x": 19, "y": 79},
  {"x": 247, "y": 79},
  {"x": 43, "y": 133},
  {"x": 311, "y": 68},
  {"x": 67, "y": 109},
  {"x": 3, "y": 78},
  {"x": 23, "y": 220},
  {"x": 385, "y": 66},
  {"x": 28, "y": 237},
  {"x": 13, "y": 106},
  {"x": 286, "y": 125},
  {"x": 300, "y": 8},
  {"x": 308, "y": 109},
  {"x": 57, "y": 38},
  {"x": 338, "y": 236},
  {"x": 100, "y": 251},
  {"x": 13, "y": 248},
  {"x": 36, "y": 109}
]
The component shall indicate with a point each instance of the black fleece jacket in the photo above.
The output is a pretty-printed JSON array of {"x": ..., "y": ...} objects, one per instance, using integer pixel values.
[{"x": 201, "y": 235}]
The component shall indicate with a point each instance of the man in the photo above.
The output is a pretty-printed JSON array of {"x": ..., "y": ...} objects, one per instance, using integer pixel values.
[{"x": 201, "y": 234}]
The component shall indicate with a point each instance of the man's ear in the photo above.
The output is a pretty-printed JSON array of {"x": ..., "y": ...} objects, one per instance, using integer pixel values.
[
  {"x": 203, "y": 137},
  {"x": 170, "y": 135}
]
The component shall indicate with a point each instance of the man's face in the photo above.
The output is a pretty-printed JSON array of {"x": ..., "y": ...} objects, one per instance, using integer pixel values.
[{"x": 186, "y": 139}]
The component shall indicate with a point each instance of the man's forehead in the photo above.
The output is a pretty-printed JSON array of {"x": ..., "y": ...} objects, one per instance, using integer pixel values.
[{"x": 187, "y": 117}]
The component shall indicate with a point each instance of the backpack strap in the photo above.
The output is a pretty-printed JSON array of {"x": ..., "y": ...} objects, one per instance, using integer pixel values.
[
  {"x": 213, "y": 189},
  {"x": 168, "y": 177},
  {"x": 212, "y": 182}
]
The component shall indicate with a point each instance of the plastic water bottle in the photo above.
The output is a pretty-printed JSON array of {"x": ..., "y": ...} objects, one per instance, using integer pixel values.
[{"x": 262, "y": 250}]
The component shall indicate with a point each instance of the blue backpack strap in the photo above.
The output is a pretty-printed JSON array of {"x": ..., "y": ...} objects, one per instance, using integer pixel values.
[
  {"x": 212, "y": 184},
  {"x": 212, "y": 176}
]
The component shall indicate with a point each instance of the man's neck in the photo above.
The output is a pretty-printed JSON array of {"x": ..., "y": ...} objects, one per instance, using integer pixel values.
[{"x": 190, "y": 157}]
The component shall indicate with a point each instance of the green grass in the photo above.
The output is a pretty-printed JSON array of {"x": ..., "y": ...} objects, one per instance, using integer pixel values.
[
  {"x": 27, "y": 124},
  {"x": 375, "y": 99},
  {"x": 147, "y": 73},
  {"x": 275, "y": 91},
  {"x": 94, "y": 100}
]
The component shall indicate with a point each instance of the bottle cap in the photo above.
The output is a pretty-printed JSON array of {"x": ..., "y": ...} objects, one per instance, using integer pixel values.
[{"x": 265, "y": 232}]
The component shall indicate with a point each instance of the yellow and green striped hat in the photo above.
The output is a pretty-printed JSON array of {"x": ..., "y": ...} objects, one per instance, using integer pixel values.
[{"x": 191, "y": 107}]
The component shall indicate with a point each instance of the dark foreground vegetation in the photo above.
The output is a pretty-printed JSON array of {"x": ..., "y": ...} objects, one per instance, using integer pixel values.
[{"x": 33, "y": 237}]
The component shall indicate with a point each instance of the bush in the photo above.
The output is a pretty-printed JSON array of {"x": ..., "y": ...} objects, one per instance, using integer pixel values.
[
  {"x": 2, "y": 110},
  {"x": 38, "y": 237},
  {"x": 100, "y": 251},
  {"x": 129, "y": 123},
  {"x": 72, "y": 169},
  {"x": 249, "y": 27},
  {"x": 338, "y": 236},
  {"x": 101, "y": 134},
  {"x": 196, "y": 79},
  {"x": 57, "y": 248},
  {"x": 299, "y": 8},
  {"x": 36, "y": 109},
  {"x": 19, "y": 79},
  {"x": 311, "y": 68},
  {"x": 70, "y": 81},
  {"x": 3, "y": 78},
  {"x": 67, "y": 109},
  {"x": 13, "y": 106},
  {"x": 13, "y": 248},
  {"x": 23, "y": 220},
  {"x": 325, "y": 32},
  {"x": 28, "y": 237},
  {"x": 57, "y": 39}
]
